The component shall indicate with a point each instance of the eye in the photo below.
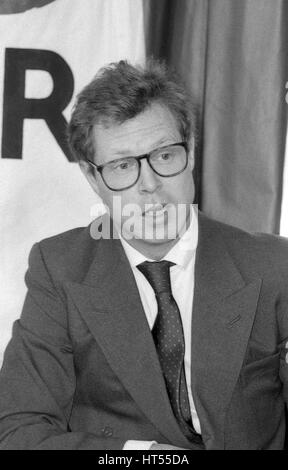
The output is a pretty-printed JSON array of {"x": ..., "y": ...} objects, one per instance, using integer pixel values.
[
  {"x": 123, "y": 165},
  {"x": 165, "y": 156}
]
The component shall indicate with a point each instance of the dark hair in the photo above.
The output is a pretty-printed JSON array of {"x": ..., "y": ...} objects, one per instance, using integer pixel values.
[{"x": 120, "y": 92}]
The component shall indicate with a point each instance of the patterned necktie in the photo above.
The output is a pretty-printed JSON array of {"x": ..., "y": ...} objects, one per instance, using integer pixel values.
[{"x": 169, "y": 340}]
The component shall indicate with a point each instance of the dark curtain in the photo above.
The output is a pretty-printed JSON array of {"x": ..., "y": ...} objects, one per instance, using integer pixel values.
[
  {"x": 233, "y": 57},
  {"x": 8, "y": 7}
]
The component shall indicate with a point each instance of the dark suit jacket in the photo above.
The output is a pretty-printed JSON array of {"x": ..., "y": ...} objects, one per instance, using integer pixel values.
[{"x": 81, "y": 370}]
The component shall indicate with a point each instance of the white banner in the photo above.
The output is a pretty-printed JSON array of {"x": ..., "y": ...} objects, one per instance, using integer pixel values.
[{"x": 47, "y": 55}]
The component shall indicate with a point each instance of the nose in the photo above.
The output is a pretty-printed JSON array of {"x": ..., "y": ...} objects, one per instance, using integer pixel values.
[{"x": 149, "y": 181}]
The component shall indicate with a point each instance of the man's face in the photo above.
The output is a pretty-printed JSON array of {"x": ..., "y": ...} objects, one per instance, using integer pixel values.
[{"x": 155, "y": 127}]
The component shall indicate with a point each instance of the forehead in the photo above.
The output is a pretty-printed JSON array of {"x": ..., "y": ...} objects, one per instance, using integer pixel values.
[{"x": 154, "y": 127}]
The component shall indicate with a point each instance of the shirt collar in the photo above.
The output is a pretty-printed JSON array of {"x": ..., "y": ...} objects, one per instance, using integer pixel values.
[{"x": 180, "y": 254}]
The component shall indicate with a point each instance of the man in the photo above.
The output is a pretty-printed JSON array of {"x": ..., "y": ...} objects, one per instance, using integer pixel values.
[{"x": 167, "y": 331}]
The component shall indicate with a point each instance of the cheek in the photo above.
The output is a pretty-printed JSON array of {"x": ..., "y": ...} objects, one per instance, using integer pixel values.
[
  {"x": 106, "y": 197},
  {"x": 117, "y": 202},
  {"x": 182, "y": 190},
  {"x": 109, "y": 198},
  {"x": 189, "y": 186}
]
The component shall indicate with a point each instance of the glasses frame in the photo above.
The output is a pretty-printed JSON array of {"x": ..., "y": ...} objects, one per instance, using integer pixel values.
[{"x": 145, "y": 156}]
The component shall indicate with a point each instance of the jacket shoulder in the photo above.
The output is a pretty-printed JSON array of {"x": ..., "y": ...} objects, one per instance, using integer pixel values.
[
  {"x": 68, "y": 255},
  {"x": 253, "y": 251}
]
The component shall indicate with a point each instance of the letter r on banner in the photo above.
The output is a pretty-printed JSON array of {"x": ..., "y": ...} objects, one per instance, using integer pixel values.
[{"x": 16, "y": 107}]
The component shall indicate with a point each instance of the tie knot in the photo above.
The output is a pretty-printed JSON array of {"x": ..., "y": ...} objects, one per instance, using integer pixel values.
[{"x": 157, "y": 274}]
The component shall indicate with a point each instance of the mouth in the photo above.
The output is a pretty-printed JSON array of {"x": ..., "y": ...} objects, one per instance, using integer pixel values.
[{"x": 155, "y": 210}]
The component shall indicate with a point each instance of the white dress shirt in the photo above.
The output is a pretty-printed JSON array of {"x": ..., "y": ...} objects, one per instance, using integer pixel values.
[{"x": 183, "y": 254}]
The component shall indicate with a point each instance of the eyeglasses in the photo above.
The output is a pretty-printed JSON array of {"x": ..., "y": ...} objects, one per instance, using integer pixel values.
[{"x": 124, "y": 173}]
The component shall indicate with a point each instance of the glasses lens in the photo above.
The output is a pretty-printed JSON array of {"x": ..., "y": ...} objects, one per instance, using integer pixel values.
[
  {"x": 169, "y": 161},
  {"x": 121, "y": 174}
]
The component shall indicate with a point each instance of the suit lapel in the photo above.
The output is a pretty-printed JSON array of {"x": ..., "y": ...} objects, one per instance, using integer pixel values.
[
  {"x": 223, "y": 312},
  {"x": 109, "y": 302}
]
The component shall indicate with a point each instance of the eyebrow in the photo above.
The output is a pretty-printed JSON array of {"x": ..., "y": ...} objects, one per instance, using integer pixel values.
[{"x": 158, "y": 144}]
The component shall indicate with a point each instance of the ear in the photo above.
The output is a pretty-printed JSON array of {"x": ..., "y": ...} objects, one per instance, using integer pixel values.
[
  {"x": 191, "y": 153},
  {"x": 90, "y": 174}
]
